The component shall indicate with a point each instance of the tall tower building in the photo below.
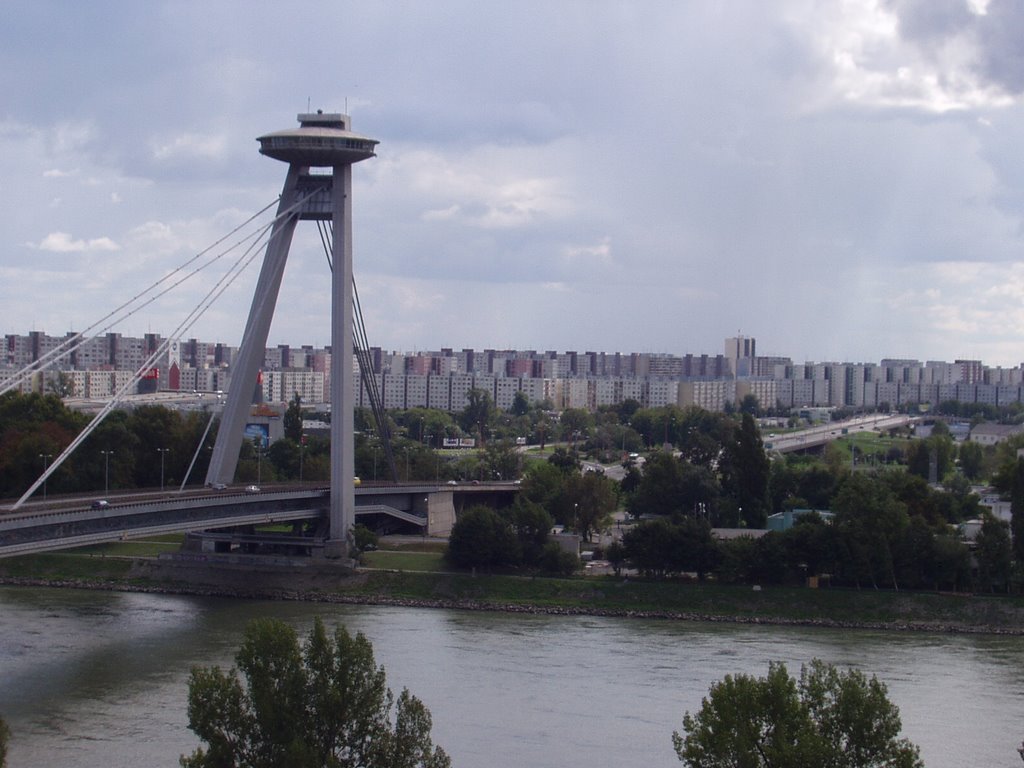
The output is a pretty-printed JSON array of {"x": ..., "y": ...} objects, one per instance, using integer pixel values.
[
  {"x": 739, "y": 354},
  {"x": 320, "y": 141}
]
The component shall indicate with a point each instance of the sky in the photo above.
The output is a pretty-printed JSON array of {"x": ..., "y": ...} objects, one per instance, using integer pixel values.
[{"x": 840, "y": 179}]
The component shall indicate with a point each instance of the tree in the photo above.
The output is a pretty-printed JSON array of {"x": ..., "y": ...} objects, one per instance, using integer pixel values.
[
  {"x": 326, "y": 704},
  {"x": 481, "y": 538},
  {"x": 1017, "y": 509},
  {"x": 870, "y": 521},
  {"x": 993, "y": 551},
  {"x": 520, "y": 404},
  {"x": 4, "y": 735},
  {"x": 587, "y": 502},
  {"x": 745, "y": 471},
  {"x": 972, "y": 459},
  {"x": 476, "y": 416},
  {"x": 828, "y": 718},
  {"x": 532, "y": 525},
  {"x": 293, "y": 419}
]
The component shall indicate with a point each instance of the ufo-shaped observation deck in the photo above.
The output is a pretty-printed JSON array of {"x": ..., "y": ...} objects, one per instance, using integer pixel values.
[{"x": 321, "y": 140}]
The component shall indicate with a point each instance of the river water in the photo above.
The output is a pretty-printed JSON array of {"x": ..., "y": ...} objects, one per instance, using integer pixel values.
[{"x": 99, "y": 679}]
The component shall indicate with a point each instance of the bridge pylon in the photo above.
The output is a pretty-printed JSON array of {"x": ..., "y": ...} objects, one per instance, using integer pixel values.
[{"x": 322, "y": 140}]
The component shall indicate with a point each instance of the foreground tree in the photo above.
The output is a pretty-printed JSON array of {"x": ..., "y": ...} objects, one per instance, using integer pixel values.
[
  {"x": 828, "y": 719},
  {"x": 325, "y": 704}
]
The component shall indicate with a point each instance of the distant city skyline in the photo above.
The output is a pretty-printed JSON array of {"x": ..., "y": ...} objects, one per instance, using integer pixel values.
[
  {"x": 735, "y": 347},
  {"x": 840, "y": 180}
]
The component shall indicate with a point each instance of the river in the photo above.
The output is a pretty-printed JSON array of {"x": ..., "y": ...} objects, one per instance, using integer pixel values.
[{"x": 99, "y": 679}]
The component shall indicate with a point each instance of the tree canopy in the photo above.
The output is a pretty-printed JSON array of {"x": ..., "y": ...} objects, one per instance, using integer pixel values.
[
  {"x": 827, "y": 719},
  {"x": 325, "y": 705}
]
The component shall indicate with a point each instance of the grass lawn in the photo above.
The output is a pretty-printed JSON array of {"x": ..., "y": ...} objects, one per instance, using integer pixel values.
[{"x": 401, "y": 560}]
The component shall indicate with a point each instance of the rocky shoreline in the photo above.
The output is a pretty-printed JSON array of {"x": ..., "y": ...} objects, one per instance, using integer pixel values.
[{"x": 313, "y": 595}]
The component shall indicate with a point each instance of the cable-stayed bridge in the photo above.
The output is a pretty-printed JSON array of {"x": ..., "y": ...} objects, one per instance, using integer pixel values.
[
  {"x": 318, "y": 187},
  {"x": 427, "y": 509}
]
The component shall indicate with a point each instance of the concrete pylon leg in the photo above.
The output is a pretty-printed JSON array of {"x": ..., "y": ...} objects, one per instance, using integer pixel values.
[
  {"x": 224, "y": 460},
  {"x": 342, "y": 512}
]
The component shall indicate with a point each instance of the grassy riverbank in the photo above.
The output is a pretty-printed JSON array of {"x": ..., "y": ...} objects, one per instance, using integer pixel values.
[{"x": 603, "y": 595}]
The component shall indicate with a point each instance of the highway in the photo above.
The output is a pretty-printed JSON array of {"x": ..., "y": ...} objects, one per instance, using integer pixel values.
[{"x": 819, "y": 434}]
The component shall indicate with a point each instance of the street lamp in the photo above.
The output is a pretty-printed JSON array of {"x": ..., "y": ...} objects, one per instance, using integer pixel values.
[
  {"x": 106, "y": 470},
  {"x": 163, "y": 453},
  {"x": 302, "y": 451},
  {"x": 46, "y": 458}
]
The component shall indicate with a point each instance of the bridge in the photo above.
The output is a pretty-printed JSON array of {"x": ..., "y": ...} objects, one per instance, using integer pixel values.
[
  {"x": 421, "y": 508},
  {"x": 819, "y": 435},
  {"x": 311, "y": 192}
]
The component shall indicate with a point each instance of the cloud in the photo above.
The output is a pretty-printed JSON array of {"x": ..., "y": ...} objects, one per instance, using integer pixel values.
[
  {"x": 935, "y": 56},
  {"x": 62, "y": 242},
  {"x": 191, "y": 146},
  {"x": 602, "y": 251}
]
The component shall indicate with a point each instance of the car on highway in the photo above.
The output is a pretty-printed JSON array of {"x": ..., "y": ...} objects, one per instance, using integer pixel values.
[
  {"x": 100, "y": 504},
  {"x": 252, "y": 489}
]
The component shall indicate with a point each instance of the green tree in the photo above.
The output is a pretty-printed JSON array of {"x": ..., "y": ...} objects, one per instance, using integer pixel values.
[
  {"x": 476, "y": 416},
  {"x": 325, "y": 704},
  {"x": 660, "y": 491},
  {"x": 1017, "y": 509},
  {"x": 972, "y": 459},
  {"x": 829, "y": 719},
  {"x": 481, "y": 538},
  {"x": 662, "y": 547},
  {"x": 532, "y": 525},
  {"x": 587, "y": 502},
  {"x": 870, "y": 520},
  {"x": 994, "y": 554},
  {"x": 745, "y": 471},
  {"x": 520, "y": 404},
  {"x": 293, "y": 419}
]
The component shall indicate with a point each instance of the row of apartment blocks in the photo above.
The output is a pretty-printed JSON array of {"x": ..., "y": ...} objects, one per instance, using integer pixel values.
[{"x": 98, "y": 367}]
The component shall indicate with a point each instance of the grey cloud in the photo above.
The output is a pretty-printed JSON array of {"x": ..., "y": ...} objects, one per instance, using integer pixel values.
[{"x": 997, "y": 34}]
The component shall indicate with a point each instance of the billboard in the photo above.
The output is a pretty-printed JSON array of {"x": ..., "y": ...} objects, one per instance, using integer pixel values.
[{"x": 258, "y": 431}]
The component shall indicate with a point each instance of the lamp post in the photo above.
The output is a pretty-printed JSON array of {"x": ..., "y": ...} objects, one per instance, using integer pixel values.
[
  {"x": 46, "y": 458},
  {"x": 163, "y": 453},
  {"x": 106, "y": 470},
  {"x": 302, "y": 451}
]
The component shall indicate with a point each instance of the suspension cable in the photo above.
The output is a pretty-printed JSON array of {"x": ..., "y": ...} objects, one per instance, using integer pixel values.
[
  {"x": 361, "y": 345},
  {"x": 72, "y": 343},
  {"x": 232, "y": 274}
]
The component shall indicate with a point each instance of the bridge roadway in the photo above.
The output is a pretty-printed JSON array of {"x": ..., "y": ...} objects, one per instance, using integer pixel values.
[
  {"x": 424, "y": 508},
  {"x": 820, "y": 434}
]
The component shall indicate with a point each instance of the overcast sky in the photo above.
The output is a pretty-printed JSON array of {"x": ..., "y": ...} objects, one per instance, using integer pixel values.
[{"x": 842, "y": 180}]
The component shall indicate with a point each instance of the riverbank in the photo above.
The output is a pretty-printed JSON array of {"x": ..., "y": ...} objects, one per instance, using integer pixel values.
[{"x": 600, "y": 596}]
